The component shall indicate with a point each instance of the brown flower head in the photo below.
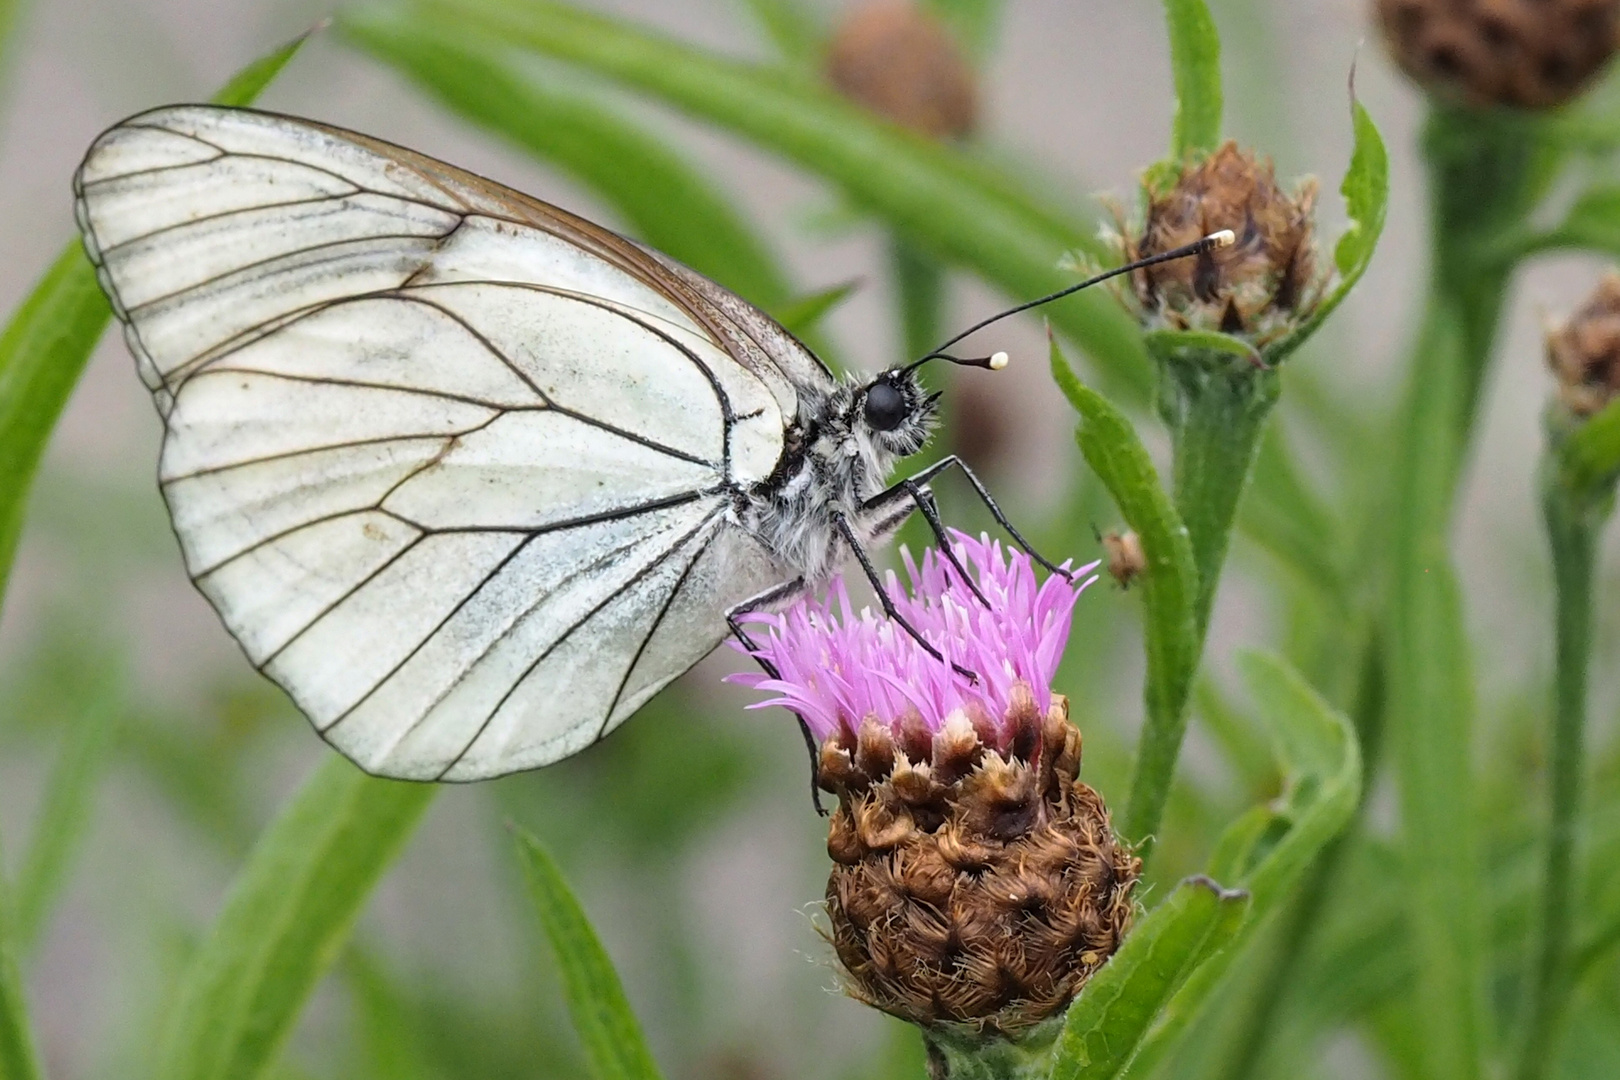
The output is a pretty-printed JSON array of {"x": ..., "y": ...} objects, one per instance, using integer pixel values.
[
  {"x": 1584, "y": 353},
  {"x": 895, "y": 58},
  {"x": 976, "y": 883},
  {"x": 1531, "y": 54},
  {"x": 1259, "y": 286},
  {"x": 975, "y": 880}
]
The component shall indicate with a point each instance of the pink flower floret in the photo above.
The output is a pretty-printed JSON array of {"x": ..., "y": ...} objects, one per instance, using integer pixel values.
[{"x": 837, "y": 666}]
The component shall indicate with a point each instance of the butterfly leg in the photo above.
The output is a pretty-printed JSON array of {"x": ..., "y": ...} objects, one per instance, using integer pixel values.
[
  {"x": 952, "y": 461},
  {"x": 925, "y": 502},
  {"x": 765, "y": 600},
  {"x": 889, "y": 609}
]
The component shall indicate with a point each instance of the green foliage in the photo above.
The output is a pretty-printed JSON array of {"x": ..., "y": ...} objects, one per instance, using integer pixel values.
[
  {"x": 288, "y": 916},
  {"x": 607, "y": 1028},
  {"x": 1169, "y": 591},
  {"x": 1106, "y": 1024},
  {"x": 1195, "y": 57},
  {"x": 1366, "y": 200},
  {"x": 1589, "y": 460},
  {"x": 19, "y": 1059}
]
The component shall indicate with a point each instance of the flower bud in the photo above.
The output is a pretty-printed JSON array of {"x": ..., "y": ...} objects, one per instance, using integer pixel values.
[
  {"x": 895, "y": 58},
  {"x": 1124, "y": 558},
  {"x": 1584, "y": 353},
  {"x": 1259, "y": 286},
  {"x": 1531, "y": 54},
  {"x": 976, "y": 882}
]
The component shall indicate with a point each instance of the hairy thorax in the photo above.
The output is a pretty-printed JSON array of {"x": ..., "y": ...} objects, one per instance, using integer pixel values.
[{"x": 830, "y": 474}]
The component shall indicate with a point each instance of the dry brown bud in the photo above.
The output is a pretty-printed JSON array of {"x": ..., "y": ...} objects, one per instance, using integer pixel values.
[
  {"x": 972, "y": 886},
  {"x": 895, "y": 58},
  {"x": 1260, "y": 285},
  {"x": 1530, "y": 54},
  {"x": 1584, "y": 353},
  {"x": 1125, "y": 558}
]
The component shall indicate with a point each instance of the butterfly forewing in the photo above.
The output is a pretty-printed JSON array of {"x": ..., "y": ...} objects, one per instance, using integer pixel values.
[{"x": 453, "y": 465}]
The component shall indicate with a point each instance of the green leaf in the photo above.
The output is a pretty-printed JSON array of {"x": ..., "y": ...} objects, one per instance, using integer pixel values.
[
  {"x": 1169, "y": 591},
  {"x": 65, "y": 808},
  {"x": 1366, "y": 199},
  {"x": 1106, "y": 1024},
  {"x": 49, "y": 339},
  {"x": 1168, "y": 342},
  {"x": 806, "y": 312},
  {"x": 19, "y": 1057},
  {"x": 1195, "y": 57},
  {"x": 1592, "y": 224},
  {"x": 607, "y": 1028},
  {"x": 1590, "y": 457},
  {"x": 961, "y": 210},
  {"x": 286, "y": 920},
  {"x": 1317, "y": 749},
  {"x": 667, "y": 203},
  {"x": 791, "y": 26},
  {"x": 389, "y": 1028}
]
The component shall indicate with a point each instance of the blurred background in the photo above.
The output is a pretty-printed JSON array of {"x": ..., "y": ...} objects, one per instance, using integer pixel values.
[{"x": 688, "y": 833}]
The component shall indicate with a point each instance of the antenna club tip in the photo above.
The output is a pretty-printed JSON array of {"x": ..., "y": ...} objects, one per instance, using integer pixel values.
[
  {"x": 999, "y": 360},
  {"x": 1222, "y": 239}
]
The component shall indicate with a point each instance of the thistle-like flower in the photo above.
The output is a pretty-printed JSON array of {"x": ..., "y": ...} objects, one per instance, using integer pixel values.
[
  {"x": 1584, "y": 353},
  {"x": 1530, "y": 54},
  {"x": 976, "y": 882},
  {"x": 898, "y": 60},
  {"x": 1259, "y": 287}
]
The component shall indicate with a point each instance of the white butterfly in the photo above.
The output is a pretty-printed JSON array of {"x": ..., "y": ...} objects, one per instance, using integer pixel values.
[{"x": 470, "y": 477}]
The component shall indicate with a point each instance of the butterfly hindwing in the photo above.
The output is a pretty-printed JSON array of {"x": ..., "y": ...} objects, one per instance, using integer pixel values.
[{"x": 452, "y": 465}]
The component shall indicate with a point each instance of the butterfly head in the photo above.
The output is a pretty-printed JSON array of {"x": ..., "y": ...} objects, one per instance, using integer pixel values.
[{"x": 894, "y": 414}]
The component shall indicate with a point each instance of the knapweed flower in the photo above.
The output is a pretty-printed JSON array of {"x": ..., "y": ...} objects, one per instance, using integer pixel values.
[
  {"x": 1584, "y": 353},
  {"x": 898, "y": 60},
  {"x": 976, "y": 882},
  {"x": 1530, "y": 54},
  {"x": 1258, "y": 287}
]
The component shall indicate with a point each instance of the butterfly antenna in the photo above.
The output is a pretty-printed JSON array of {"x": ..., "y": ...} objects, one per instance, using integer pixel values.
[{"x": 996, "y": 361}]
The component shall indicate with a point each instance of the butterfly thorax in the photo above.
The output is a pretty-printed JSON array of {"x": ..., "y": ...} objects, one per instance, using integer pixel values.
[{"x": 834, "y": 461}]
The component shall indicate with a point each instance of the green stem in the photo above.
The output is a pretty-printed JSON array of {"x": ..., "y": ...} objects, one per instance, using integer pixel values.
[
  {"x": 1573, "y": 522},
  {"x": 1216, "y": 408},
  {"x": 919, "y": 283},
  {"x": 1216, "y": 415},
  {"x": 967, "y": 1055}
]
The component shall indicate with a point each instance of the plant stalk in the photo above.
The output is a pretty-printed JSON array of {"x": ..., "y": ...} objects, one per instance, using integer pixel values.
[{"x": 1574, "y": 521}]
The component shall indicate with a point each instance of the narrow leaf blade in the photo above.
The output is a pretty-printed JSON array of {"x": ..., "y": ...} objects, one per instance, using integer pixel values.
[
  {"x": 1366, "y": 198},
  {"x": 19, "y": 1057},
  {"x": 1195, "y": 57},
  {"x": 1169, "y": 590},
  {"x": 1108, "y": 1021},
  {"x": 288, "y": 915},
  {"x": 608, "y": 1029}
]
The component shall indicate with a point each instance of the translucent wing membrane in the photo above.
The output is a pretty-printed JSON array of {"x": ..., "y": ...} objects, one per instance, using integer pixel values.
[{"x": 453, "y": 465}]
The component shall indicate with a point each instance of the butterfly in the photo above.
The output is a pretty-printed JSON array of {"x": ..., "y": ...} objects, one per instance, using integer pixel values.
[{"x": 470, "y": 477}]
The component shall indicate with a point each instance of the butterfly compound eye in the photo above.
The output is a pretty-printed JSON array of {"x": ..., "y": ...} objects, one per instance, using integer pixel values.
[{"x": 885, "y": 407}]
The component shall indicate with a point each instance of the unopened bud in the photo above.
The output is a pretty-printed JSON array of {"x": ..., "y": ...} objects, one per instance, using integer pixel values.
[
  {"x": 899, "y": 61},
  {"x": 1531, "y": 54},
  {"x": 1584, "y": 353},
  {"x": 1258, "y": 280}
]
